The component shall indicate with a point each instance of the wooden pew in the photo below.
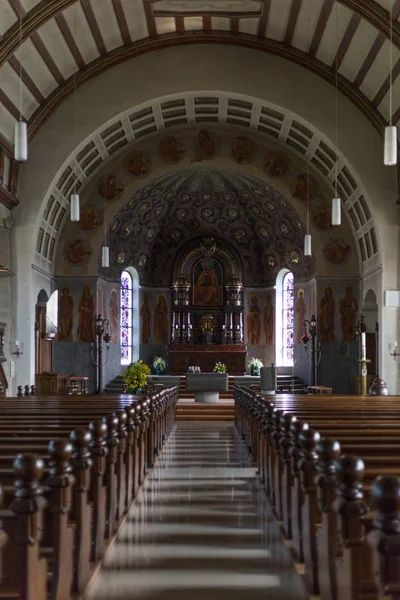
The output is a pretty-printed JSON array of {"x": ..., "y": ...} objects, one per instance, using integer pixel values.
[
  {"x": 108, "y": 460},
  {"x": 290, "y": 455}
]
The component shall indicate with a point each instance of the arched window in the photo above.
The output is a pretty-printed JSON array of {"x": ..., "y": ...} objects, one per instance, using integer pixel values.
[
  {"x": 284, "y": 318},
  {"x": 126, "y": 318},
  {"x": 129, "y": 319}
]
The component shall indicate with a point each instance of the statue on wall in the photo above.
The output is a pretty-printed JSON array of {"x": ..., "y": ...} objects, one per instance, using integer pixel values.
[
  {"x": 253, "y": 322},
  {"x": 86, "y": 316},
  {"x": 65, "y": 316},
  {"x": 161, "y": 320},
  {"x": 269, "y": 321},
  {"x": 327, "y": 316},
  {"x": 146, "y": 319},
  {"x": 348, "y": 312},
  {"x": 207, "y": 289},
  {"x": 300, "y": 315},
  {"x": 114, "y": 316}
]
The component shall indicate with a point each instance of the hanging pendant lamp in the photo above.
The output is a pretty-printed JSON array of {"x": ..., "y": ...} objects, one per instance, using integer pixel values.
[
  {"x": 307, "y": 245},
  {"x": 336, "y": 218},
  {"x": 336, "y": 211},
  {"x": 75, "y": 208},
  {"x": 390, "y": 141},
  {"x": 105, "y": 257},
  {"x": 21, "y": 141}
]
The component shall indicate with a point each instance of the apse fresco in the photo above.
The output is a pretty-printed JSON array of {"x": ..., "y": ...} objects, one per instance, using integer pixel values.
[
  {"x": 171, "y": 150},
  {"x": 77, "y": 252},
  {"x": 206, "y": 146},
  {"x": 137, "y": 165},
  {"x": 253, "y": 321},
  {"x": 327, "y": 309},
  {"x": 336, "y": 251},
  {"x": 91, "y": 218},
  {"x": 207, "y": 280},
  {"x": 243, "y": 150},
  {"x": 110, "y": 188}
]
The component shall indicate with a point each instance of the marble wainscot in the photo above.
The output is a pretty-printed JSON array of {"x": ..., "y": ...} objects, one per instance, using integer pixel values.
[{"x": 206, "y": 386}]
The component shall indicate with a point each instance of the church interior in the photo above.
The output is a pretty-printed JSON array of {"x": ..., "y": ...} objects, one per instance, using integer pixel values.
[{"x": 199, "y": 299}]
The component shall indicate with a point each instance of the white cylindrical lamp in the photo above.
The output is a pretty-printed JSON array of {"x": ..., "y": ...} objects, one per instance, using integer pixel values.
[
  {"x": 390, "y": 146},
  {"x": 363, "y": 346},
  {"x": 307, "y": 245},
  {"x": 21, "y": 141},
  {"x": 105, "y": 257},
  {"x": 336, "y": 211},
  {"x": 75, "y": 208}
]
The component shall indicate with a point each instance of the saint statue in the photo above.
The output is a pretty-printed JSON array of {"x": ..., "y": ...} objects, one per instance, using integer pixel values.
[
  {"x": 65, "y": 316},
  {"x": 300, "y": 315},
  {"x": 207, "y": 290},
  {"x": 253, "y": 322},
  {"x": 327, "y": 316},
  {"x": 86, "y": 316},
  {"x": 161, "y": 320},
  {"x": 269, "y": 321},
  {"x": 348, "y": 313},
  {"x": 146, "y": 319}
]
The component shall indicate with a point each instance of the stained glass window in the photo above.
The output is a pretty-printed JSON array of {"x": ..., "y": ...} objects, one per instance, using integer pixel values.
[
  {"x": 287, "y": 318},
  {"x": 126, "y": 318}
]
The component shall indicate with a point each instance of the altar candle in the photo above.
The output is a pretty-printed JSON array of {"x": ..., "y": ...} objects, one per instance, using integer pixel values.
[
  {"x": 16, "y": 343},
  {"x": 363, "y": 346}
]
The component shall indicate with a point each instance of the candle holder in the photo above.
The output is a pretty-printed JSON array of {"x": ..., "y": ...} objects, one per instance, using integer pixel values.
[
  {"x": 17, "y": 352},
  {"x": 102, "y": 330},
  {"x": 393, "y": 352}
]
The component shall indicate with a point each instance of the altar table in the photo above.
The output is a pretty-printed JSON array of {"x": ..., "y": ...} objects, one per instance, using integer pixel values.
[
  {"x": 206, "y": 386},
  {"x": 182, "y": 356}
]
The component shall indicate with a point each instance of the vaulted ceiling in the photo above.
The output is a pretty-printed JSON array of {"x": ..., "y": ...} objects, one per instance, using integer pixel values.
[{"x": 52, "y": 46}]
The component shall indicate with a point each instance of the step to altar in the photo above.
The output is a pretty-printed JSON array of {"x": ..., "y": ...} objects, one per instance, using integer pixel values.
[{"x": 187, "y": 410}]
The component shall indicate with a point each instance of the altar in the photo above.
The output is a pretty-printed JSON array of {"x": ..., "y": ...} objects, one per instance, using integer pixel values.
[
  {"x": 206, "y": 386},
  {"x": 182, "y": 356}
]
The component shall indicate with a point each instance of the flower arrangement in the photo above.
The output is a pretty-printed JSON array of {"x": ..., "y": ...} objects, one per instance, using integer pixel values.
[
  {"x": 159, "y": 365},
  {"x": 135, "y": 376},
  {"x": 219, "y": 368},
  {"x": 255, "y": 365}
]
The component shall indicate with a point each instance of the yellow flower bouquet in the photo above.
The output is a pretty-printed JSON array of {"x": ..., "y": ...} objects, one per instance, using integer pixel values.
[{"x": 135, "y": 376}]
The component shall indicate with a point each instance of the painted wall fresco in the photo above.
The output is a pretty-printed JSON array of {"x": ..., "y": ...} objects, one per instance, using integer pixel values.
[
  {"x": 207, "y": 283},
  {"x": 65, "y": 316},
  {"x": 259, "y": 324},
  {"x": 194, "y": 147},
  {"x": 145, "y": 316},
  {"x": 161, "y": 327},
  {"x": 253, "y": 319}
]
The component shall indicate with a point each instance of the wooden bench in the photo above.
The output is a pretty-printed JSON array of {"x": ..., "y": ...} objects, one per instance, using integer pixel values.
[
  {"x": 319, "y": 389},
  {"x": 63, "y": 499},
  {"x": 316, "y": 492}
]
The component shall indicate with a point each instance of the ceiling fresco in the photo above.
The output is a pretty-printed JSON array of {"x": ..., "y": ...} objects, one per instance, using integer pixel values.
[{"x": 264, "y": 229}]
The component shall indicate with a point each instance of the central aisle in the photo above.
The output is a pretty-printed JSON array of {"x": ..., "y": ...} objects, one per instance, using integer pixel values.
[{"x": 200, "y": 529}]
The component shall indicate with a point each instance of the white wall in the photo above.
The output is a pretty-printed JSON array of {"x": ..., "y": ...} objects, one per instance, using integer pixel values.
[{"x": 176, "y": 70}]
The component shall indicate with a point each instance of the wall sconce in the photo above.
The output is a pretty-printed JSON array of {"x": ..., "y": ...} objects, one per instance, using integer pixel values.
[
  {"x": 17, "y": 352},
  {"x": 393, "y": 350}
]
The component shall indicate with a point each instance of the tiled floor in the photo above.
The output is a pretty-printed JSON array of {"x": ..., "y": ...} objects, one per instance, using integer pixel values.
[{"x": 200, "y": 529}]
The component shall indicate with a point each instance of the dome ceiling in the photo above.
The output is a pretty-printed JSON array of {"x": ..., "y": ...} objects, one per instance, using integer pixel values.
[
  {"x": 159, "y": 219},
  {"x": 50, "y": 43}
]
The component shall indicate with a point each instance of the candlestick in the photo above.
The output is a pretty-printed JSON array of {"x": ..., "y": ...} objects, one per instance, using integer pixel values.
[{"x": 363, "y": 346}]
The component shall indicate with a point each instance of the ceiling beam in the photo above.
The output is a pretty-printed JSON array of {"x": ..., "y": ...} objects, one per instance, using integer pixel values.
[
  {"x": 28, "y": 82},
  {"x": 169, "y": 40},
  {"x": 180, "y": 24},
  {"x": 94, "y": 26},
  {"x": 122, "y": 23},
  {"x": 263, "y": 23},
  {"x": 383, "y": 90},
  {"x": 369, "y": 59},
  {"x": 346, "y": 41},
  {"x": 10, "y": 106},
  {"x": 207, "y": 23},
  {"x": 70, "y": 40},
  {"x": 150, "y": 20},
  {"x": 320, "y": 28},
  {"x": 47, "y": 58},
  {"x": 292, "y": 21}
]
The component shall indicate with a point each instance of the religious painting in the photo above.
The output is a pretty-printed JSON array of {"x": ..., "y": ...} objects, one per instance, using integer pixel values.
[
  {"x": 136, "y": 165},
  {"x": 86, "y": 315},
  {"x": 110, "y": 188},
  {"x": 77, "y": 252},
  {"x": 269, "y": 321},
  {"x": 206, "y": 145},
  {"x": 65, "y": 316},
  {"x": 243, "y": 150},
  {"x": 145, "y": 316},
  {"x": 101, "y": 302},
  {"x": 207, "y": 283},
  {"x": 91, "y": 218},
  {"x": 276, "y": 166},
  {"x": 322, "y": 217},
  {"x": 304, "y": 187},
  {"x": 114, "y": 316},
  {"x": 336, "y": 251},
  {"x": 327, "y": 316},
  {"x": 161, "y": 320},
  {"x": 300, "y": 315},
  {"x": 348, "y": 307},
  {"x": 171, "y": 150},
  {"x": 253, "y": 322}
]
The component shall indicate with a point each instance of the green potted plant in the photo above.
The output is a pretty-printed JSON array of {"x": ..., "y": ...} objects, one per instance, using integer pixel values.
[
  {"x": 159, "y": 365},
  {"x": 219, "y": 368},
  {"x": 255, "y": 365},
  {"x": 135, "y": 376}
]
